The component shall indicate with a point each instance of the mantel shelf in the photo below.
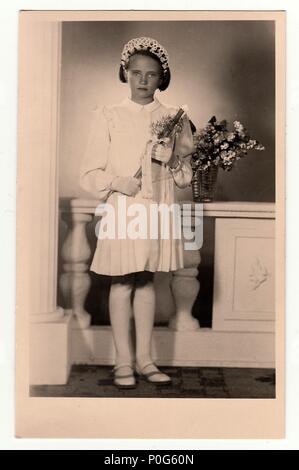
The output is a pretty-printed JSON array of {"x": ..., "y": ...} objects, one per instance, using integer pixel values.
[{"x": 242, "y": 209}]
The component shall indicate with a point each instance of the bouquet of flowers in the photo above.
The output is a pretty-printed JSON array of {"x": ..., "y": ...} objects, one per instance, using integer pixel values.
[
  {"x": 166, "y": 125},
  {"x": 216, "y": 145}
]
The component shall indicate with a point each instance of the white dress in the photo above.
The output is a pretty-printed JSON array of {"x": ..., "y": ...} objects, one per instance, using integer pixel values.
[{"x": 115, "y": 147}]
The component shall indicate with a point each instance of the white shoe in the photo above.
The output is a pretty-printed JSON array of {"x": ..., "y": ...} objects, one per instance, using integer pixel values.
[
  {"x": 124, "y": 376},
  {"x": 152, "y": 374}
]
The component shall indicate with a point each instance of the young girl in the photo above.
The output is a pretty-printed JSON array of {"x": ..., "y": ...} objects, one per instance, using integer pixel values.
[{"x": 120, "y": 142}]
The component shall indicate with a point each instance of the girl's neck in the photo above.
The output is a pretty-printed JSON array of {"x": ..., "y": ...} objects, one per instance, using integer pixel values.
[{"x": 142, "y": 101}]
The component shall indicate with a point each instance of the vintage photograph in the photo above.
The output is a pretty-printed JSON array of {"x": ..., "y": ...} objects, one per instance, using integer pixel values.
[{"x": 150, "y": 203}]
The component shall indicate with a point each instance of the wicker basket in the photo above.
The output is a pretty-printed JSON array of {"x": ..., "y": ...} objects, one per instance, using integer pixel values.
[{"x": 204, "y": 184}]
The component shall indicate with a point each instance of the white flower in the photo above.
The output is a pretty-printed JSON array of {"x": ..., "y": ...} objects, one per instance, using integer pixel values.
[
  {"x": 224, "y": 146},
  {"x": 251, "y": 144},
  {"x": 238, "y": 126},
  {"x": 260, "y": 147}
]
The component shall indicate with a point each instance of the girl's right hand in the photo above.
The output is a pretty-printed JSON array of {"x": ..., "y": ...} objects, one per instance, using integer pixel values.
[
  {"x": 126, "y": 184},
  {"x": 162, "y": 149}
]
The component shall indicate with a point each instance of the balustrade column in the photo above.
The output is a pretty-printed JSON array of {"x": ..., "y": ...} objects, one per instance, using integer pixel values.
[
  {"x": 185, "y": 285},
  {"x": 75, "y": 281}
]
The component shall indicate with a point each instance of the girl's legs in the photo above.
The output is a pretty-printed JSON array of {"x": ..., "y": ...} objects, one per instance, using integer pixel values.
[
  {"x": 144, "y": 313},
  {"x": 120, "y": 314}
]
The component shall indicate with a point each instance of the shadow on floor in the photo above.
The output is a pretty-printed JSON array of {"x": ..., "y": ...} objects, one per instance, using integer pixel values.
[{"x": 187, "y": 382}]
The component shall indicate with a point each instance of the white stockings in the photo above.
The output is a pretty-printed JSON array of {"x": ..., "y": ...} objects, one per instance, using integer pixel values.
[{"x": 121, "y": 309}]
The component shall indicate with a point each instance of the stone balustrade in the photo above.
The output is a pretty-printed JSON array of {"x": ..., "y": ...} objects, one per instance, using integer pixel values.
[{"x": 184, "y": 285}]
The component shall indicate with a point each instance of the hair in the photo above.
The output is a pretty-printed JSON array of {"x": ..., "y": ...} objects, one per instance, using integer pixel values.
[{"x": 165, "y": 75}]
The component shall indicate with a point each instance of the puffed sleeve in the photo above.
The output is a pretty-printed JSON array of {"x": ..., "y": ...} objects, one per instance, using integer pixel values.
[
  {"x": 183, "y": 148},
  {"x": 94, "y": 176}
]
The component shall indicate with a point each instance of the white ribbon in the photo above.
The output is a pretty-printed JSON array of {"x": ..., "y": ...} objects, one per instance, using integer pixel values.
[{"x": 146, "y": 167}]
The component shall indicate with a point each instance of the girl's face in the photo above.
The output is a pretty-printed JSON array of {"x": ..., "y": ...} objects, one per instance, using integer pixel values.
[{"x": 144, "y": 77}]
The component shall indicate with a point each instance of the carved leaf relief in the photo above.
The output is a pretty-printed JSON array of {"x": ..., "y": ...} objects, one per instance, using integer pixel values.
[{"x": 258, "y": 274}]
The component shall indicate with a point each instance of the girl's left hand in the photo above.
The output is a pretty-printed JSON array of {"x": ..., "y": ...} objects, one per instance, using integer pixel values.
[{"x": 162, "y": 149}]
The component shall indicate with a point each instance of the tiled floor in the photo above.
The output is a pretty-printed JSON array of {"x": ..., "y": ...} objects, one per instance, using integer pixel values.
[{"x": 187, "y": 382}]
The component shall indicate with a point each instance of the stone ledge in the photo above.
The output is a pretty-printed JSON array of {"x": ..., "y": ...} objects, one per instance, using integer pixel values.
[{"x": 203, "y": 347}]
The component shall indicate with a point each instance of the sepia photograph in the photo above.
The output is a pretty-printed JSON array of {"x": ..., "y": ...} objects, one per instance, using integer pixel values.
[{"x": 150, "y": 238}]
